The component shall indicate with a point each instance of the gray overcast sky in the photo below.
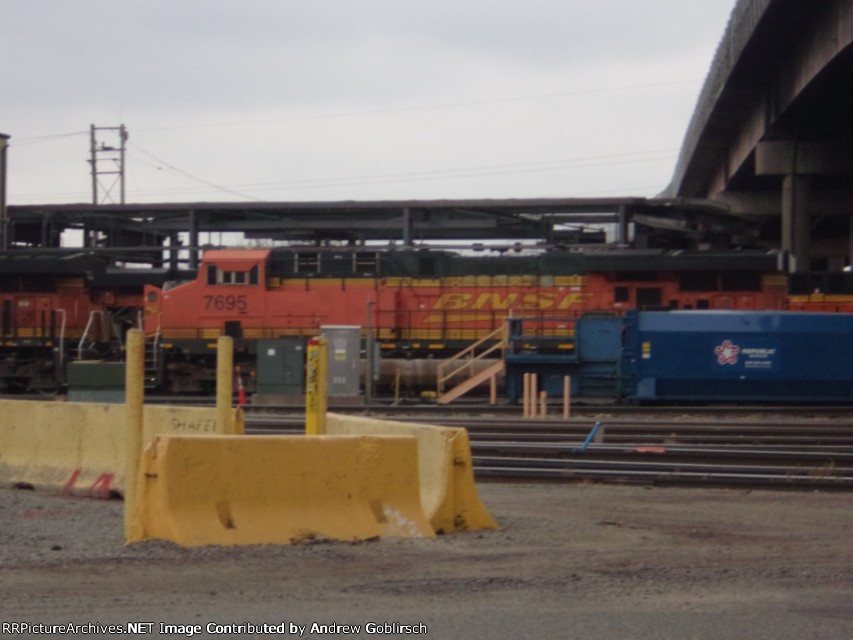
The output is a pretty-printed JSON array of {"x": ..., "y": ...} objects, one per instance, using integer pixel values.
[{"x": 337, "y": 100}]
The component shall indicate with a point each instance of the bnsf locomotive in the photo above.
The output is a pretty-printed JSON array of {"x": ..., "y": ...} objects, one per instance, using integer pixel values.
[
  {"x": 54, "y": 310},
  {"x": 428, "y": 304},
  {"x": 418, "y": 304}
]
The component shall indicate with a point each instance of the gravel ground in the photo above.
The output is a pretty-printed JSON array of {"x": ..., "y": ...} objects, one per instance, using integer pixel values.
[{"x": 582, "y": 562}]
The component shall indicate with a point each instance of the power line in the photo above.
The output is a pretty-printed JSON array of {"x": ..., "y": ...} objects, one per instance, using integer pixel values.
[
  {"x": 23, "y": 142},
  {"x": 186, "y": 174},
  {"x": 466, "y": 172},
  {"x": 476, "y": 171},
  {"x": 416, "y": 108},
  {"x": 368, "y": 112},
  {"x": 415, "y": 176},
  {"x": 412, "y": 176}
]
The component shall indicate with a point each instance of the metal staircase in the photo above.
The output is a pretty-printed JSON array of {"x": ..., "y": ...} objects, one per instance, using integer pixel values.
[
  {"x": 153, "y": 364},
  {"x": 464, "y": 366}
]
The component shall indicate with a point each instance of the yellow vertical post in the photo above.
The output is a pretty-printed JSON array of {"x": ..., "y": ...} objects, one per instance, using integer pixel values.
[
  {"x": 525, "y": 395},
  {"x": 316, "y": 387},
  {"x": 543, "y": 404},
  {"x": 493, "y": 390},
  {"x": 224, "y": 383},
  {"x": 567, "y": 396},
  {"x": 534, "y": 388},
  {"x": 134, "y": 390}
]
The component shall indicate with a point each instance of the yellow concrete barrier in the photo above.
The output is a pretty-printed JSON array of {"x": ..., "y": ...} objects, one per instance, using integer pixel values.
[
  {"x": 225, "y": 490},
  {"x": 448, "y": 493},
  {"x": 79, "y": 446}
]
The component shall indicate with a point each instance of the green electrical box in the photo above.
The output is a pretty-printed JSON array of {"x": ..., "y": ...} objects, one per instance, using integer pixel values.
[
  {"x": 281, "y": 367},
  {"x": 95, "y": 381}
]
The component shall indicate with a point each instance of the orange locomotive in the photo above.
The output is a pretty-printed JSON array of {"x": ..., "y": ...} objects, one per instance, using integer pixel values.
[
  {"x": 428, "y": 303},
  {"x": 56, "y": 310},
  {"x": 830, "y": 292},
  {"x": 419, "y": 304}
]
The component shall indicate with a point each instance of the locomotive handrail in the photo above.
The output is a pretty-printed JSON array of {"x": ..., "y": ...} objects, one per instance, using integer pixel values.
[
  {"x": 92, "y": 315},
  {"x": 470, "y": 350},
  {"x": 155, "y": 344},
  {"x": 61, "y": 337}
]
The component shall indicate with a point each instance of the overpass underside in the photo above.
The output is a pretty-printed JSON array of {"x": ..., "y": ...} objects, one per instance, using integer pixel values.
[{"x": 772, "y": 135}]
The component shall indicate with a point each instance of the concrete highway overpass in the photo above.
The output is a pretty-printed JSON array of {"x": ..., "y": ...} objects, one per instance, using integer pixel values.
[{"x": 772, "y": 133}]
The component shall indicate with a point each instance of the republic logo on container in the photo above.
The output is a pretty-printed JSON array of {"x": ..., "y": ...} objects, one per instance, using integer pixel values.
[{"x": 727, "y": 352}]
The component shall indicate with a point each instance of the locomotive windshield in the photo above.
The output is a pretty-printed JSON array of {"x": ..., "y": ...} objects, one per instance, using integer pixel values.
[{"x": 217, "y": 275}]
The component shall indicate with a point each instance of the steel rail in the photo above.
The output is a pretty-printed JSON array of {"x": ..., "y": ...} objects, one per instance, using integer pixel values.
[
  {"x": 728, "y": 479},
  {"x": 553, "y": 450},
  {"x": 659, "y": 423},
  {"x": 693, "y": 468}
]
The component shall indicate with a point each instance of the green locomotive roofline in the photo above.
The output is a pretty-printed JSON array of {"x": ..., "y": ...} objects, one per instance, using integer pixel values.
[{"x": 362, "y": 262}]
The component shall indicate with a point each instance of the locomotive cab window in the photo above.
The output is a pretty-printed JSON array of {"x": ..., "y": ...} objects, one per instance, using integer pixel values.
[
  {"x": 233, "y": 277},
  {"x": 217, "y": 275}
]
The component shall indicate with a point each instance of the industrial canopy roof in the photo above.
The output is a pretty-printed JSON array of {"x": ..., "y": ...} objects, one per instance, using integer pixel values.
[{"x": 546, "y": 219}]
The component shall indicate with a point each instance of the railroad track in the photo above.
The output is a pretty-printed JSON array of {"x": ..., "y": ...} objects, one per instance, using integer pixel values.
[
  {"x": 728, "y": 465},
  {"x": 795, "y": 454},
  {"x": 478, "y": 407},
  {"x": 793, "y": 447}
]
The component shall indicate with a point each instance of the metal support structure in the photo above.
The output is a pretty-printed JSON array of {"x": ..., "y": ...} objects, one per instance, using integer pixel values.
[
  {"x": 113, "y": 156},
  {"x": 622, "y": 225},
  {"x": 4, "y": 218},
  {"x": 407, "y": 227},
  {"x": 193, "y": 230},
  {"x": 174, "y": 250},
  {"x": 850, "y": 242},
  {"x": 368, "y": 353}
]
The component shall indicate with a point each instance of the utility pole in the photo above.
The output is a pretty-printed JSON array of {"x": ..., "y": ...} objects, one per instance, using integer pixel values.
[{"x": 107, "y": 160}]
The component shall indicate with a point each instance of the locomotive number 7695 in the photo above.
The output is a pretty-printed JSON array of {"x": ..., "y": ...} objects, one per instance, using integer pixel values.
[{"x": 226, "y": 303}]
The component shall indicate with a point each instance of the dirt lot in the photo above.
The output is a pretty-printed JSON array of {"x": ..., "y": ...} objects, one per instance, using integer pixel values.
[{"x": 569, "y": 562}]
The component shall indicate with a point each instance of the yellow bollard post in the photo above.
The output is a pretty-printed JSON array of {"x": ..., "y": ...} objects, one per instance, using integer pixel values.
[
  {"x": 134, "y": 390},
  {"x": 525, "y": 395},
  {"x": 224, "y": 383},
  {"x": 534, "y": 392},
  {"x": 567, "y": 397},
  {"x": 316, "y": 387},
  {"x": 543, "y": 404}
]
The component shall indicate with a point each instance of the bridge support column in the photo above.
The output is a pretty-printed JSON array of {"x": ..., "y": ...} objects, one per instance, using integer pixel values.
[{"x": 796, "y": 221}]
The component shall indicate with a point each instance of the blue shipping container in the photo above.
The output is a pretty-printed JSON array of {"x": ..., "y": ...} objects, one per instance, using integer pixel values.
[{"x": 737, "y": 356}]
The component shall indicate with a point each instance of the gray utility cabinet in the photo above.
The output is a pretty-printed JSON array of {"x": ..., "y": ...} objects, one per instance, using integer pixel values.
[
  {"x": 281, "y": 366},
  {"x": 344, "y": 349}
]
